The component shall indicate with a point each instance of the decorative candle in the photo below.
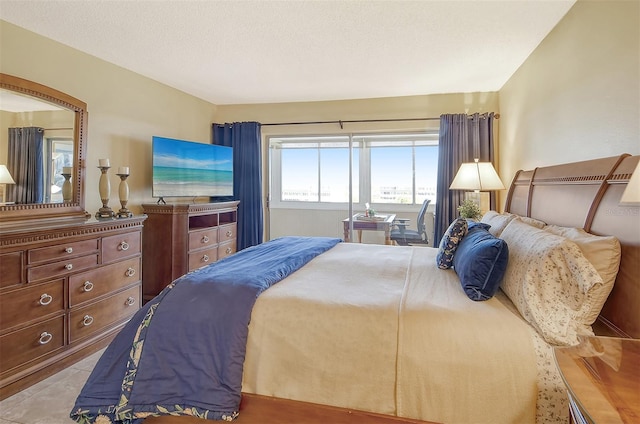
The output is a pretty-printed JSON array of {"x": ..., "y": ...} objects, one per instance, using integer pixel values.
[
  {"x": 103, "y": 162},
  {"x": 67, "y": 169},
  {"x": 123, "y": 170}
]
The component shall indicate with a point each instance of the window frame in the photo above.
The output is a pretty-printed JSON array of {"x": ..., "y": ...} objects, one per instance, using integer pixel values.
[{"x": 427, "y": 137}]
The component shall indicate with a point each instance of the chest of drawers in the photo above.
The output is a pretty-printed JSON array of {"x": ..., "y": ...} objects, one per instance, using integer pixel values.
[
  {"x": 181, "y": 237},
  {"x": 66, "y": 289}
]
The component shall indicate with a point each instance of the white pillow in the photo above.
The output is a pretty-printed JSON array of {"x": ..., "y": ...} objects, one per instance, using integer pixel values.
[
  {"x": 604, "y": 254},
  {"x": 550, "y": 282},
  {"x": 529, "y": 221},
  {"x": 497, "y": 221}
]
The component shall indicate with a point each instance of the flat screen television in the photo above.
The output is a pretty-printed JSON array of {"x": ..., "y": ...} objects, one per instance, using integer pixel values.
[{"x": 188, "y": 169}]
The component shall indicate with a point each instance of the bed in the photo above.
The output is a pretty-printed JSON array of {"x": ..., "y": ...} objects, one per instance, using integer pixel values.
[{"x": 370, "y": 333}]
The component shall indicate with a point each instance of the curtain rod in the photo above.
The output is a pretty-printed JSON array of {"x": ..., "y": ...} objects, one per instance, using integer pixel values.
[
  {"x": 53, "y": 129},
  {"x": 341, "y": 122}
]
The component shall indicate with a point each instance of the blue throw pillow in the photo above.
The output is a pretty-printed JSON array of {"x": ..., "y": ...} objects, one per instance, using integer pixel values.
[
  {"x": 480, "y": 262},
  {"x": 473, "y": 224},
  {"x": 449, "y": 243}
]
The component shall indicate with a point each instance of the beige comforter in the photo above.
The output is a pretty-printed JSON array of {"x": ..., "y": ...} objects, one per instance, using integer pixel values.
[{"x": 382, "y": 329}]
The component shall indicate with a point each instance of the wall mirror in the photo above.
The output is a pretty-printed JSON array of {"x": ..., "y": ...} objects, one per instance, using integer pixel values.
[{"x": 42, "y": 142}]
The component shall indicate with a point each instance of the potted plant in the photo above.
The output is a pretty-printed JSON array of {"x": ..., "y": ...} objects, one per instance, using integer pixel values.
[{"x": 470, "y": 210}]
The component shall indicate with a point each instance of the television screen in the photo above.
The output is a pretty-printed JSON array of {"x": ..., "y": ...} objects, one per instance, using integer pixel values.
[{"x": 186, "y": 168}]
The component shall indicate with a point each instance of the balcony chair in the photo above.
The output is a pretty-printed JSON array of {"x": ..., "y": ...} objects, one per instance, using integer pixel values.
[{"x": 408, "y": 237}]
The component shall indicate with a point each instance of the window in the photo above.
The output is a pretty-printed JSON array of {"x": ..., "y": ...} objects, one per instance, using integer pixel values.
[
  {"x": 58, "y": 154},
  {"x": 385, "y": 169}
]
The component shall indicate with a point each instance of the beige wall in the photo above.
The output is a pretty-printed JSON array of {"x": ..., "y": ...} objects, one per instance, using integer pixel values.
[
  {"x": 125, "y": 109},
  {"x": 577, "y": 96}
]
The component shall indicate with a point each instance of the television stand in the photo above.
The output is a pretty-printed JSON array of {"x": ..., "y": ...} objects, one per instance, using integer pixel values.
[
  {"x": 180, "y": 237},
  {"x": 161, "y": 201}
]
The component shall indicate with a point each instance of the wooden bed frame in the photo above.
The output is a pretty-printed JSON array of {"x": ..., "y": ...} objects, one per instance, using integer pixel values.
[
  {"x": 581, "y": 194},
  {"x": 587, "y": 195}
]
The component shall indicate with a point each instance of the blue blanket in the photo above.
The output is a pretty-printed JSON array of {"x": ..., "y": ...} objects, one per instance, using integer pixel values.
[{"x": 183, "y": 352}]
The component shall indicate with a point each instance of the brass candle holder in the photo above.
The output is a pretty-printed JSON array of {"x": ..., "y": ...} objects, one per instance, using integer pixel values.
[
  {"x": 105, "y": 191},
  {"x": 123, "y": 191}
]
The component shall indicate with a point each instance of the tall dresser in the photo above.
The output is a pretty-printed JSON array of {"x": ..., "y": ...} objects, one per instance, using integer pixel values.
[
  {"x": 66, "y": 288},
  {"x": 181, "y": 237}
]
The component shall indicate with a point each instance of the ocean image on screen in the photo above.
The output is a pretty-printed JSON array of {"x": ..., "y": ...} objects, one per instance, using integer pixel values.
[{"x": 184, "y": 168}]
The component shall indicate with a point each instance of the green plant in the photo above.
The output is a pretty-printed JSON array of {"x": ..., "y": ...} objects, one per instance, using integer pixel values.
[{"x": 470, "y": 210}]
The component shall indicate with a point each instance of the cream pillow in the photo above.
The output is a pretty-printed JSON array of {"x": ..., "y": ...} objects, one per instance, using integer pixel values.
[
  {"x": 604, "y": 254},
  {"x": 550, "y": 282},
  {"x": 529, "y": 221},
  {"x": 497, "y": 221}
]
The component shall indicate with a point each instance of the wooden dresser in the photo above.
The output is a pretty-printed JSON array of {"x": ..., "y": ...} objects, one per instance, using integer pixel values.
[
  {"x": 66, "y": 288},
  {"x": 181, "y": 237}
]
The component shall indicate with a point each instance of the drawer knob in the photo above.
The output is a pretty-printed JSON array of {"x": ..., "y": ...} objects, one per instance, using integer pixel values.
[
  {"x": 45, "y": 299},
  {"x": 130, "y": 301},
  {"x": 87, "y": 320},
  {"x": 205, "y": 239},
  {"x": 229, "y": 233},
  {"x": 45, "y": 338},
  {"x": 130, "y": 272},
  {"x": 205, "y": 258},
  {"x": 68, "y": 249},
  {"x": 228, "y": 250},
  {"x": 124, "y": 245},
  {"x": 87, "y": 286},
  {"x": 68, "y": 267}
]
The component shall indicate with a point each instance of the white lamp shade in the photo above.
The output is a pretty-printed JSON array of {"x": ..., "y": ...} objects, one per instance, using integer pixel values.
[
  {"x": 477, "y": 176},
  {"x": 631, "y": 195},
  {"x": 5, "y": 176}
]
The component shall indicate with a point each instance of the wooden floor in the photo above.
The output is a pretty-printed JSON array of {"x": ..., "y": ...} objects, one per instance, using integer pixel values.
[{"x": 255, "y": 409}]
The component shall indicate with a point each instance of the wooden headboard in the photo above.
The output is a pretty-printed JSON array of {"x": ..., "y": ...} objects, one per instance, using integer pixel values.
[{"x": 586, "y": 195}]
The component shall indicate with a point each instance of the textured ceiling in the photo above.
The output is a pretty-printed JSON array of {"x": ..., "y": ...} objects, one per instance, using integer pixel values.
[{"x": 236, "y": 52}]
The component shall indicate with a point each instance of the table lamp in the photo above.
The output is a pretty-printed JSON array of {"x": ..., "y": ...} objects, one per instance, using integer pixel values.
[
  {"x": 477, "y": 176},
  {"x": 5, "y": 178},
  {"x": 631, "y": 195}
]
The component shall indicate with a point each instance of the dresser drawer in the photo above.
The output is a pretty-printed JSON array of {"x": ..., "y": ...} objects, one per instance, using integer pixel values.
[
  {"x": 31, "y": 303},
  {"x": 11, "y": 269},
  {"x": 227, "y": 232},
  {"x": 63, "y": 251},
  {"x": 57, "y": 269},
  {"x": 31, "y": 342},
  {"x": 92, "y": 319},
  {"x": 226, "y": 249},
  {"x": 120, "y": 246},
  {"x": 203, "y": 238},
  {"x": 202, "y": 257},
  {"x": 92, "y": 284}
]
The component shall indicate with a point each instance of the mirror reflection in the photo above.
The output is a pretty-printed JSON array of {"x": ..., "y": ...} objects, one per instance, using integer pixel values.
[{"x": 37, "y": 147}]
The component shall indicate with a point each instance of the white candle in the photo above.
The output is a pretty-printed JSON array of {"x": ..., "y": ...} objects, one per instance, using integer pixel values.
[
  {"x": 67, "y": 169},
  {"x": 123, "y": 170},
  {"x": 103, "y": 162}
]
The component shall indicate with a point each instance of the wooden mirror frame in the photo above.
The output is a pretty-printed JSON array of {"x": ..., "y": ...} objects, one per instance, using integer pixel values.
[{"x": 74, "y": 208}]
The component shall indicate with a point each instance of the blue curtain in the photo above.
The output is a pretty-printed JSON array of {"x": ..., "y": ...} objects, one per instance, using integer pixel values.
[
  {"x": 462, "y": 139},
  {"x": 245, "y": 137},
  {"x": 25, "y": 163}
]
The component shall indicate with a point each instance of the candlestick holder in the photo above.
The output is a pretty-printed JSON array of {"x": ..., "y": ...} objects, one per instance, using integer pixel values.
[
  {"x": 67, "y": 192},
  {"x": 105, "y": 191},
  {"x": 123, "y": 191}
]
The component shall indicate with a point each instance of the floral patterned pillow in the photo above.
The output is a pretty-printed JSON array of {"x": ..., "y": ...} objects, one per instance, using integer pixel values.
[
  {"x": 550, "y": 282},
  {"x": 450, "y": 241}
]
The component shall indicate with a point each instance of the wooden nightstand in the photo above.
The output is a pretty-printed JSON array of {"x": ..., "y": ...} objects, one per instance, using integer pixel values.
[{"x": 602, "y": 375}]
